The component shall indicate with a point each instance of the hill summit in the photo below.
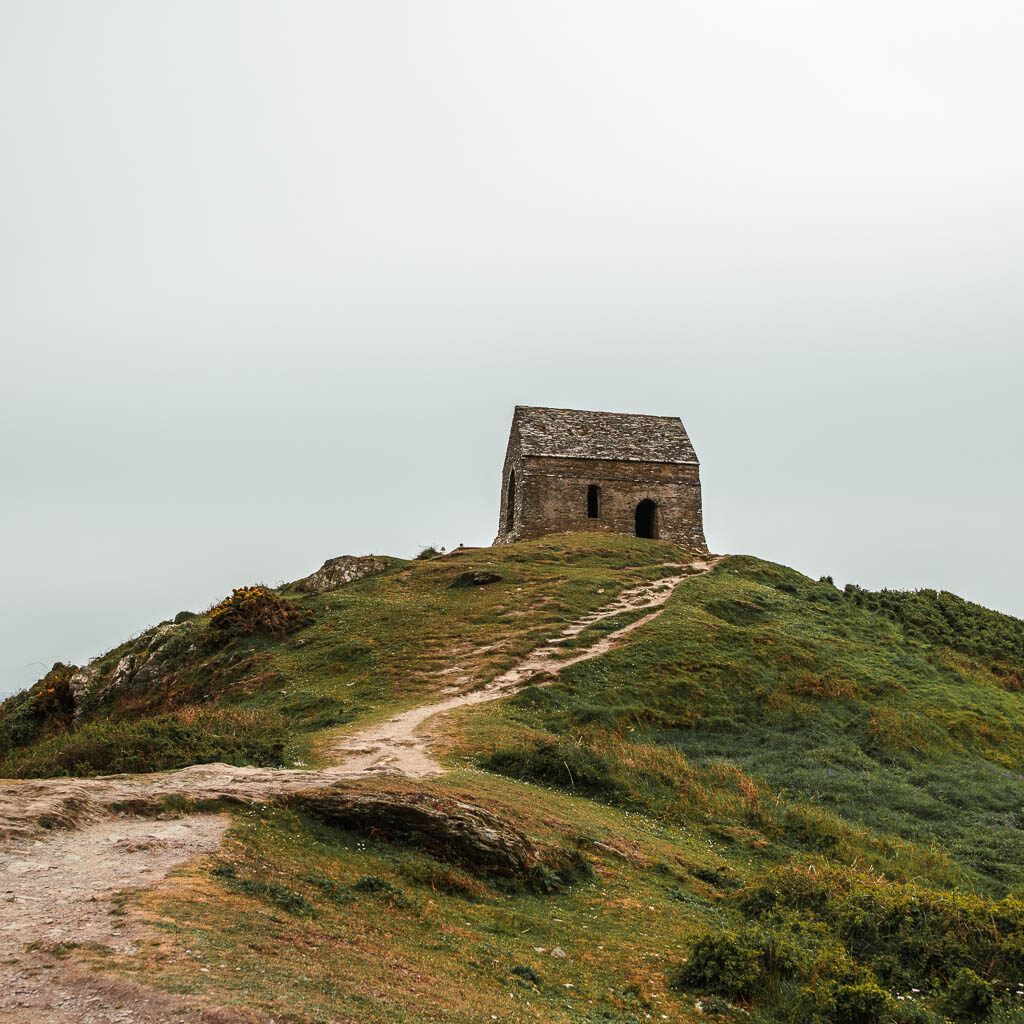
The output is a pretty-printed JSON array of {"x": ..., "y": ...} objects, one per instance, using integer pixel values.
[{"x": 580, "y": 778}]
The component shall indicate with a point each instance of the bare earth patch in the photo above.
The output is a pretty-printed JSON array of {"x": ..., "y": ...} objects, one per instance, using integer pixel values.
[{"x": 57, "y": 892}]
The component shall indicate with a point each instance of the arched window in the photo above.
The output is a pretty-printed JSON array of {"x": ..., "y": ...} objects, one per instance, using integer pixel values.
[
  {"x": 647, "y": 519},
  {"x": 593, "y": 501},
  {"x": 510, "y": 507}
]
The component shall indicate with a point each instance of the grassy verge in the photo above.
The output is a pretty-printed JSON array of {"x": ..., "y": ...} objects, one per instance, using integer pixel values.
[
  {"x": 820, "y": 702},
  {"x": 336, "y": 926},
  {"x": 797, "y": 805},
  {"x": 352, "y": 655},
  {"x": 164, "y": 742}
]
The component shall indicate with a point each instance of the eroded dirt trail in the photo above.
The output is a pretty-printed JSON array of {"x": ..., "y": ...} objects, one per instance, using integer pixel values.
[
  {"x": 59, "y": 891},
  {"x": 55, "y": 886},
  {"x": 398, "y": 746},
  {"x": 401, "y": 745}
]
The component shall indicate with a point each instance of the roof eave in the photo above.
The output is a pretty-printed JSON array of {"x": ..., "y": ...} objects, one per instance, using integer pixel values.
[{"x": 609, "y": 458}]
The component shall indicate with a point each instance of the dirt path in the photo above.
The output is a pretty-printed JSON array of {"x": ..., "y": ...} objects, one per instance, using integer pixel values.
[
  {"x": 59, "y": 891},
  {"x": 398, "y": 746},
  {"x": 401, "y": 745},
  {"x": 55, "y": 886}
]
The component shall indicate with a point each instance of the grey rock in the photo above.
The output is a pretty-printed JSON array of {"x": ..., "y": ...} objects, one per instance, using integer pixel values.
[
  {"x": 336, "y": 572},
  {"x": 81, "y": 682},
  {"x": 451, "y": 830}
]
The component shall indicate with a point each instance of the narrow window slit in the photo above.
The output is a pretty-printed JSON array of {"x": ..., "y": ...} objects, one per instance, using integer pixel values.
[{"x": 510, "y": 509}]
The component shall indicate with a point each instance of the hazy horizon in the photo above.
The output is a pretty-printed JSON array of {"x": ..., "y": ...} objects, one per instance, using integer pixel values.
[{"x": 276, "y": 275}]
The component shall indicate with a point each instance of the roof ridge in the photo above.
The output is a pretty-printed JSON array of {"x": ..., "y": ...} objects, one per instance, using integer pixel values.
[{"x": 598, "y": 412}]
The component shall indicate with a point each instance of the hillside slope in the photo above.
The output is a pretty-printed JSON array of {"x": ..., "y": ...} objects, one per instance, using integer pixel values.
[{"x": 731, "y": 792}]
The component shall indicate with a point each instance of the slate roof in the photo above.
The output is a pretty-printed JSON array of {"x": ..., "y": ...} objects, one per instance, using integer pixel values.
[{"x": 577, "y": 434}]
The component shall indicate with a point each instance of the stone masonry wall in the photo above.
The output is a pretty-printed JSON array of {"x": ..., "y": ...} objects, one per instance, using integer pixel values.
[{"x": 551, "y": 497}]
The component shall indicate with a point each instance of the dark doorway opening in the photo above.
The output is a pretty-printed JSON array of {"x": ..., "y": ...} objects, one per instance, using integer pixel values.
[
  {"x": 593, "y": 501},
  {"x": 647, "y": 519},
  {"x": 510, "y": 502}
]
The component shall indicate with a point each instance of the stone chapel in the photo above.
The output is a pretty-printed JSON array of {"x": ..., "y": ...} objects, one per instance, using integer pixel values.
[{"x": 570, "y": 470}]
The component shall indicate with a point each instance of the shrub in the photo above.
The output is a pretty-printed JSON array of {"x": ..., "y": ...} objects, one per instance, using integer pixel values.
[
  {"x": 939, "y": 617},
  {"x": 53, "y": 699},
  {"x": 190, "y": 736},
  {"x": 865, "y": 1003},
  {"x": 565, "y": 764},
  {"x": 1008, "y": 1011},
  {"x": 840, "y": 941},
  {"x": 428, "y": 552},
  {"x": 722, "y": 964},
  {"x": 907, "y": 1011},
  {"x": 256, "y": 610},
  {"x": 49, "y": 704},
  {"x": 527, "y": 973},
  {"x": 969, "y": 996}
]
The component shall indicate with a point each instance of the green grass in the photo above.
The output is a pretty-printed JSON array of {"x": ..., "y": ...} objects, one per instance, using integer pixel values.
[
  {"x": 824, "y": 703},
  {"x": 373, "y": 647},
  {"x": 338, "y": 926},
  {"x": 159, "y": 743},
  {"x": 814, "y": 793}
]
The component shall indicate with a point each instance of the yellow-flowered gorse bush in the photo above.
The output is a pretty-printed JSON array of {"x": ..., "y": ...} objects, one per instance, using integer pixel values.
[{"x": 256, "y": 610}]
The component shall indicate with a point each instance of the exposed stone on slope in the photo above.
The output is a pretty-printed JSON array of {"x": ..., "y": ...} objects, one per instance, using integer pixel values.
[
  {"x": 451, "y": 830},
  {"x": 81, "y": 681},
  {"x": 336, "y": 572},
  {"x": 479, "y": 578}
]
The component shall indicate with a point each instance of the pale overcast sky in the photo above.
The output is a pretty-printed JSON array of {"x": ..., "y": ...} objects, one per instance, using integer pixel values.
[{"x": 276, "y": 273}]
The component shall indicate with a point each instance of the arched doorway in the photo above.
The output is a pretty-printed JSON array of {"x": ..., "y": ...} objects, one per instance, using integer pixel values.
[
  {"x": 647, "y": 519},
  {"x": 510, "y": 507}
]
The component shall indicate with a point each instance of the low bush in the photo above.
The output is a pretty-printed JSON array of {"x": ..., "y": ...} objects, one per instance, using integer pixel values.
[
  {"x": 969, "y": 997},
  {"x": 53, "y": 700},
  {"x": 256, "y": 610},
  {"x": 939, "y": 617},
  {"x": 833, "y": 946},
  {"x": 564, "y": 764},
  {"x": 190, "y": 736},
  {"x": 725, "y": 964},
  {"x": 48, "y": 704}
]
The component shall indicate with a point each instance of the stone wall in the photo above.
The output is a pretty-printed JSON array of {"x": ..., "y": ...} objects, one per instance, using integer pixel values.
[{"x": 551, "y": 497}]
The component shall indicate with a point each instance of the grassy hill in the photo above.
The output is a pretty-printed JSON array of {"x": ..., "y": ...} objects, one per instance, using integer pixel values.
[{"x": 776, "y": 801}]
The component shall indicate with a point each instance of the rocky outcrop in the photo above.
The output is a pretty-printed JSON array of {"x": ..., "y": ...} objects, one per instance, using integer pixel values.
[
  {"x": 451, "y": 830},
  {"x": 81, "y": 682},
  {"x": 336, "y": 572},
  {"x": 143, "y": 666}
]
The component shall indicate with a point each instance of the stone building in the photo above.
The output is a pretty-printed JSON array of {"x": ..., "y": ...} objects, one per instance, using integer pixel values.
[{"x": 569, "y": 470}]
